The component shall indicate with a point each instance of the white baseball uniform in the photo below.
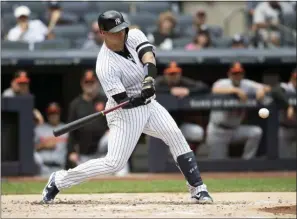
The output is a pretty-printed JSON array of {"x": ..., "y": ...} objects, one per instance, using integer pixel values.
[
  {"x": 225, "y": 126},
  {"x": 119, "y": 74},
  {"x": 54, "y": 159}
]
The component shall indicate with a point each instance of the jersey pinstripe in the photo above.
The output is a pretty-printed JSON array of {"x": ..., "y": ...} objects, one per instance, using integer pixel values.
[{"x": 118, "y": 74}]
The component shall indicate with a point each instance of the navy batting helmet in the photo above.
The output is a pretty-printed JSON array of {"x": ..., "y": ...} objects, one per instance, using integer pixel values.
[{"x": 112, "y": 21}]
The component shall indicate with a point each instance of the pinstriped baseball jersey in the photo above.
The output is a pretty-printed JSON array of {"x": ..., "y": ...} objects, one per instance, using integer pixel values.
[{"x": 119, "y": 74}]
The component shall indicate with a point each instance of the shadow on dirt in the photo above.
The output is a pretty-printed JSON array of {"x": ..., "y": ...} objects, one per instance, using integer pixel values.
[{"x": 280, "y": 210}]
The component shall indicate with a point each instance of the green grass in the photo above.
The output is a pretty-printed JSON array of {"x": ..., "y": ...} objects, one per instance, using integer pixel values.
[{"x": 214, "y": 185}]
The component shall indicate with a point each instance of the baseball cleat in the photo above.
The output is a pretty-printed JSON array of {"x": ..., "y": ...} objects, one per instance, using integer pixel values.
[
  {"x": 50, "y": 190},
  {"x": 202, "y": 197}
]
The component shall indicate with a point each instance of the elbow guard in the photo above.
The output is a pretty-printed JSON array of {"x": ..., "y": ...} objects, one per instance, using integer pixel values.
[{"x": 150, "y": 70}]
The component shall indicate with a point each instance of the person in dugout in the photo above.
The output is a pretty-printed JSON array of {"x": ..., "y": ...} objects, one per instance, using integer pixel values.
[
  {"x": 50, "y": 151},
  {"x": 20, "y": 86},
  {"x": 225, "y": 126},
  {"x": 174, "y": 83},
  {"x": 88, "y": 142},
  {"x": 287, "y": 117}
]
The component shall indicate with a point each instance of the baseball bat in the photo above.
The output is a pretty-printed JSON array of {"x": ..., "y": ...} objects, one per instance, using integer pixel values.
[{"x": 83, "y": 121}]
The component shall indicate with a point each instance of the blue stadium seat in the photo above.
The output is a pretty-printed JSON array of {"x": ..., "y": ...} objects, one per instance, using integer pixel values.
[
  {"x": 184, "y": 20},
  {"x": 118, "y": 6},
  {"x": 36, "y": 7},
  {"x": 78, "y": 43},
  {"x": 152, "y": 7},
  {"x": 66, "y": 18},
  {"x": 222, "y": 42},
  {"x": 290, "y": 20},
  {"x": 79, "y": 8},
  {"x": 89, "y": 18},
  {"x": 73, "y": 31},
  {"x": 216, "y": 31},
  {"x": 150, "y": 29},
  {"x": 55, "y": 44},
  {"x": 143, "y": 20},
  {"x": 181, "y": 42},
  {"x": 5, "y": 44},
  {"x": 7, "y": 6}
]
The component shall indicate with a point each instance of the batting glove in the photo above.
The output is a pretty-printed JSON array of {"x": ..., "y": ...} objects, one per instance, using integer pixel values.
[{"x": 148, "y": 87}]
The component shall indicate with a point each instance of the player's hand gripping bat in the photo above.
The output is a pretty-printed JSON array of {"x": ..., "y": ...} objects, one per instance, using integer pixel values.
[{"x": 83, "y": 121}]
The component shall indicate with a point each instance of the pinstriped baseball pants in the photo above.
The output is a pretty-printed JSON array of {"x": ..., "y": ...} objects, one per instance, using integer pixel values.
[{"x": 126, "y": 127}]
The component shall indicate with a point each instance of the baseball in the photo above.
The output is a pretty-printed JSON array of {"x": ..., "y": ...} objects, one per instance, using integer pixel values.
[{"x": 263, "y": 113}]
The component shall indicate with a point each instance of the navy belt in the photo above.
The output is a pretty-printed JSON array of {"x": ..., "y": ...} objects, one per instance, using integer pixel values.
[{"x": 223, "y": 126}]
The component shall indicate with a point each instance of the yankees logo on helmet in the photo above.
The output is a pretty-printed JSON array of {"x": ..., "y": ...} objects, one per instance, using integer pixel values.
[{"x": 117, "y": 21}]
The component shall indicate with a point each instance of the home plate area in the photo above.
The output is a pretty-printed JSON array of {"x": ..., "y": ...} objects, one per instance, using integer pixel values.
[{"x": 150, "y": 205}]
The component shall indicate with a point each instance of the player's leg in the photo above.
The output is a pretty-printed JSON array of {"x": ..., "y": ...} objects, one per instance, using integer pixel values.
[
  {"x": 252, "y": 136},
  {"x": 218, "y": 141},
  {"x": 162, "y": 125},
  {"x": 102, "y": 150},
  {"x": 125, "y": 129},
  {"x": 286, "y": 137}
]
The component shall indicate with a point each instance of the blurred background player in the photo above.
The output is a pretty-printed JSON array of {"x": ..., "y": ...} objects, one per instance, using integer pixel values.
[
  {"x": 225, "y": 126},
  {"x": 172, "y": 82},
  {"x": 50, "y": 151},
  {"x": 20, "y": 86},
  {"x": 90, "y": 141},
  {"x": 288, "y": 125}
]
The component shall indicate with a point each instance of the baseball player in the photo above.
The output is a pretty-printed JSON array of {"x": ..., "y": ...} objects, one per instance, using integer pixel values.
[
  {"x": 174, "y": 83},
  {"x": 287, "y": 120},
  {"x": 126, "y": 68},
  {"x": 225, "y": 126},
  {"x": 50, "y": 151}
]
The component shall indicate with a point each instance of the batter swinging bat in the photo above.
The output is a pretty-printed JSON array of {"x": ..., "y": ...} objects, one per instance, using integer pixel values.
[{"x": 83, "y": 121}]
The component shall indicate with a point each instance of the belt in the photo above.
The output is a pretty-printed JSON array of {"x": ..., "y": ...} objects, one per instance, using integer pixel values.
[
  {"x": 52, "y": 164},
  {"x": 223, "y": 126}
]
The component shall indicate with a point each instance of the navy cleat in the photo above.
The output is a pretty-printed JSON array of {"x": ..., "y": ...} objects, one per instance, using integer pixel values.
[
  {"x": 50, "y": 190},
  {"x": 203, "y": 197}
]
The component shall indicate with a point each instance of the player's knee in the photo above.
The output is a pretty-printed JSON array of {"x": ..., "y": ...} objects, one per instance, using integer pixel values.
[
  {"x": 192, "y": 132},
  {"x": 256, "y": 132},
  {"x": 114, "y": 164}
]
